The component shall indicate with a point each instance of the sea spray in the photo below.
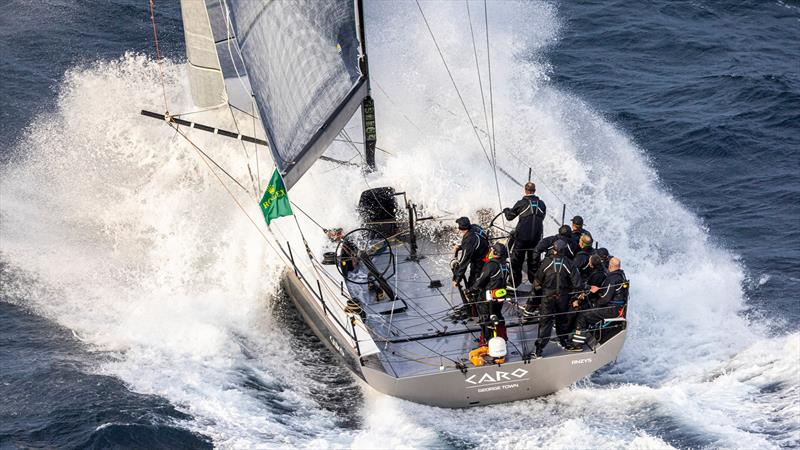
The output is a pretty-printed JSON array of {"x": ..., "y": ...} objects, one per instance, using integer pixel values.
[{"x": 145, "y": 257}]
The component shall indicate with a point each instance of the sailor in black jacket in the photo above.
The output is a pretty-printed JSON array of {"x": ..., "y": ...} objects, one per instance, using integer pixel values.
[
  {"x": 556, "y": 278},
  {"x": 581, "y": 259},
  {"x": 596, "y": 274},
  {"x": 611, "y": 301},
  {"x": 593, "y": 276},
  {"x": 578, "y": 230},
  {"x": 492, "y": 283},
  {"x": 474, "y": 248},
  {"x": 531, "y": 211}
]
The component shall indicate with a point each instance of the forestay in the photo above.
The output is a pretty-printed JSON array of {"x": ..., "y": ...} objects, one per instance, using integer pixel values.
[{"x": 300, "y": 58}]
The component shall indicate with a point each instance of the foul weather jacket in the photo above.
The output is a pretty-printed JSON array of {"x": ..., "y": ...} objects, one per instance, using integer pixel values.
[
  {"x": 613, "y": 291},
  {"x": 581, "y": 260},
  {"x": 493, "y": 276},
  {"x": 531, "y": 211},
  {"x": 595, "y": 277},
  {"x": 474, "y": 247}
]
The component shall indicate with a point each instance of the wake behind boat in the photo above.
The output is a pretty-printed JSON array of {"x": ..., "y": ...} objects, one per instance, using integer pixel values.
[{"x": 380, "y": 296}]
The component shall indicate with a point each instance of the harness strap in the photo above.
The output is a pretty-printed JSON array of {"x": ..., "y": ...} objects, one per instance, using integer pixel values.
[{"x": 532, "y": 204}]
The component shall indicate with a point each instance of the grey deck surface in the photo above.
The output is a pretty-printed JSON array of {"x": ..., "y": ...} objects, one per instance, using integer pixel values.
[{"x": 428, "y": 313}]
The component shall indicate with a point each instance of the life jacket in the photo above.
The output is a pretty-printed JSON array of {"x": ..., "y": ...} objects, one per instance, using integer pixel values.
[
  {"x": 477, "y": 229},
  {"x": 498, "y": 282},
  {"x": 533, "y": 208},
  {"x": 483, "y": 241}
]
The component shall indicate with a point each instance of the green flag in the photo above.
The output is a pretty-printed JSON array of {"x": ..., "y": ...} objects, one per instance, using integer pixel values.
[{"x": 275, "y": 202}]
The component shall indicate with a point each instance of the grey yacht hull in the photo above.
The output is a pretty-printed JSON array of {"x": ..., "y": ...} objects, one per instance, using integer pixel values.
[
  {"x": 503, "y": 383},
  {"x": 453, "y": 388},
  {"x": 322, "y": 326}
]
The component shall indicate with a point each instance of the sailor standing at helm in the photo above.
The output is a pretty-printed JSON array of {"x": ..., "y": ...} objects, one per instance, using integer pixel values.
[
  {"x": 474, "y": 247},
  {"x": 493, "y": 282},
  {"x": 531, "y": 211}
]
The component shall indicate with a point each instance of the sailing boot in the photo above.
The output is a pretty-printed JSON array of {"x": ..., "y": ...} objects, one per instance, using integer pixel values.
[
  {"x": 570, "y": 345},
  {"x": 579, "y": 338},
  {"x": 529, "y": 313}
]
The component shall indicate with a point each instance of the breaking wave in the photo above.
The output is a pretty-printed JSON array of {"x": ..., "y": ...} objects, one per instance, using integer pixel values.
[{"x": 124, "y": 236}]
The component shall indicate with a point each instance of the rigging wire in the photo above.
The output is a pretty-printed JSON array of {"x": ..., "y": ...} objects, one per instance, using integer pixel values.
[
  {"x": 374, "y": 81},
  {"x": 158, "y": 54},
  {"x": 210, "y": 108},
  {"x": 489, "y": 66},
  {"x": 478, "y": 70},
  {"x": 492, "y": 135},
  {"x": 340, "y": 139},
  {"x": 244, "y": 149},
  {"x": 294, "y": 205},
  {"x": 346, "y": 138},
  {"x": 176, "y": 127},
  {"x": 541, "y": 179},
  {"x": 255, "y": 146},
  {"x": 492, "y": 160},
  {"x": 455, "y": 86}
]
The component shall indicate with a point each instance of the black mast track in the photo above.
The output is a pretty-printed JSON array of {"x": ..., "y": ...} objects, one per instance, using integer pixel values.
[
  {"x": 367, "y": 105},
  {"x": 206, "y": 128}
]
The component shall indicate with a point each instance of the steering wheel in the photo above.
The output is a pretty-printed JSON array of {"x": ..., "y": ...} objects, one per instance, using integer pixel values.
[
  {"x": 492, "y": 225},
  {"x": 363, "y": 243}
]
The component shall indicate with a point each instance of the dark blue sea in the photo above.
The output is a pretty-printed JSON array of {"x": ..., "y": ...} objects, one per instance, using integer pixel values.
[{"x": 138, "y": 310}]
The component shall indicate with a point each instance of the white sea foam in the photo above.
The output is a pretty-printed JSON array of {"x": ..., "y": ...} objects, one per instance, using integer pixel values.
[{"x": 139, "y": 251}]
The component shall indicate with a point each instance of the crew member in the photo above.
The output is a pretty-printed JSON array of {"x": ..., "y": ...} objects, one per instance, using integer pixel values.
[
  {"x": 594, "y": 277},
  {"x": 578, "y": 230},
  {"x": 565, "y": 235},
  {"x": 492, "y": 283},
  {"x": 531, "y": 211},
  {"x": 581, "y": 259},
  {"x": 546, "y": 245},
  {"x": 556, "y": 278},
  {"x": 597, "y": 274},
  {"x": 474, "y": 248},
  {"x": 611, "y": 301},
  {"x": 602, "y": 252}
]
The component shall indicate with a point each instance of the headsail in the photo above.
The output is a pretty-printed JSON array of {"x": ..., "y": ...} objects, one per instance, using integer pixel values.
[{"x": 301, "y": 60}]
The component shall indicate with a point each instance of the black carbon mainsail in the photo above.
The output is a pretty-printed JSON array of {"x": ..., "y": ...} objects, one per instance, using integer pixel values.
[{"x": 301, "y": 61}]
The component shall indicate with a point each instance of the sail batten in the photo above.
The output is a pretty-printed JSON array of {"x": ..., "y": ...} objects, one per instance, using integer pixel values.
[{"x": 300, "y": 59}]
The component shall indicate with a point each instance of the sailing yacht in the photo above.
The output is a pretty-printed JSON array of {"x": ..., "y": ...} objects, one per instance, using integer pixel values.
[{"x": 377, "y": 296}]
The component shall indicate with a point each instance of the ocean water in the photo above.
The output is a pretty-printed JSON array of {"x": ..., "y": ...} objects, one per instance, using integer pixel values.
[{"x": 139, "y": 308}]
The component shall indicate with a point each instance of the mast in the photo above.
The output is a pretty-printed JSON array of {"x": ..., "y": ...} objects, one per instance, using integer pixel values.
[{"x": 367, "y": 105}]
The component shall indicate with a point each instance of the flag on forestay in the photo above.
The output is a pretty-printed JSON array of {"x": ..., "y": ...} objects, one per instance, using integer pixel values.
[{"x": 275, "y": 202}]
